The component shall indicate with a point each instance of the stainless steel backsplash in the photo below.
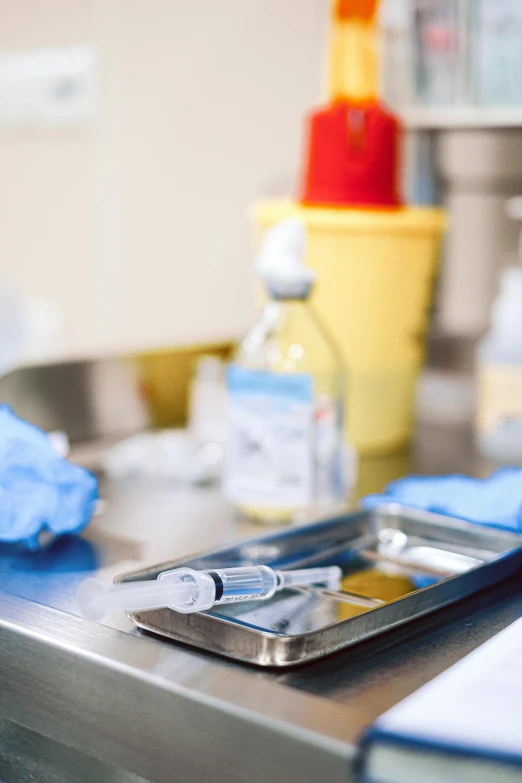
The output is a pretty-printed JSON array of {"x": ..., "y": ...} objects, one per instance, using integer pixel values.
[{"x": 87, "y": 399}]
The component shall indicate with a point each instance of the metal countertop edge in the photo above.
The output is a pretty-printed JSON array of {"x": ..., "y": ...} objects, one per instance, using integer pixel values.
[{"x": 94, "y": 688}]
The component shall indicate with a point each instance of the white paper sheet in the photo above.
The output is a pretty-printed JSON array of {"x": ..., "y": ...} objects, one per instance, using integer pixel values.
[{"x": 475, "y": 704}]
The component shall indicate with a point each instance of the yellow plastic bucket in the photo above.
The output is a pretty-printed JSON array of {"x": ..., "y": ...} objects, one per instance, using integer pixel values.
[{"x": 375, "y": 279}]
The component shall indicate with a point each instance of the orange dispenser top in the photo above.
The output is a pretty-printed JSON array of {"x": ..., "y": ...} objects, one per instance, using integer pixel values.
[
  {"x": 354, "y": 143},
  {"x": 353, "y": 55}
]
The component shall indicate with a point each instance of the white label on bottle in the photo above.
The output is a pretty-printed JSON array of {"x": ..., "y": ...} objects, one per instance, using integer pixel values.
[
  {"x": 271, "y": 435},
  {"x": 499, "y": 399}
]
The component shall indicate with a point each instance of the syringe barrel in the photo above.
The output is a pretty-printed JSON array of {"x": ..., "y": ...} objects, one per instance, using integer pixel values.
[
  {"x": 221, "y": 586},
  {"x": 247, "y": 583}
]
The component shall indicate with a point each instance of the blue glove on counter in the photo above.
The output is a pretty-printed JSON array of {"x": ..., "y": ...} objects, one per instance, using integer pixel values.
[
  {"x": 495, "y": 501},
  {"x": 38, "y": 489}
]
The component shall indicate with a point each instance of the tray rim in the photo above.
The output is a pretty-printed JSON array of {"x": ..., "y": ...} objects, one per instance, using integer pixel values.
[
  {"x": 389, "y": 509},
  {"x": 284, "y": 641}
]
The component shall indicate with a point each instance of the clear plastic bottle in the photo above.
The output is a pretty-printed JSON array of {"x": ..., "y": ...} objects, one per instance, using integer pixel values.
[
  {"x": 499, "y": 392},
  {"x": 207, "y": 418},
  {"x": 499, "y": 368},
  {"x": 285, "y": 396}
]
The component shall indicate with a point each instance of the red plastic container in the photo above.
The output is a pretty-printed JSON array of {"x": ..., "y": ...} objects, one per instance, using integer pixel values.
[{"x": 353, "y": 156}]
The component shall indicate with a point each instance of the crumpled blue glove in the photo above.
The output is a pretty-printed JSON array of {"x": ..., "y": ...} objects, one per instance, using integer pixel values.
[
  {"x": 39, "y": 490},
  {"x": 495, "y": 501}
]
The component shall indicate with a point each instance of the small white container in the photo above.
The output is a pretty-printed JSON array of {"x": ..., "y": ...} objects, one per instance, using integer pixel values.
[
  {"x": 285, "y": 397},
  {"x": 207, "y": 406},
  {"x": 499, "y": 394}
]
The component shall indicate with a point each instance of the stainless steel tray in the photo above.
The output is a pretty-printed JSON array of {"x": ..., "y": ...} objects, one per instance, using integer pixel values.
[{"x": 398, "y": 565}]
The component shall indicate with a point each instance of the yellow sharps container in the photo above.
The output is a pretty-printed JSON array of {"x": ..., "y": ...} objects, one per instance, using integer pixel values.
[
  {"x": 375, "y": 272},
  {"x": 375, "y": 258}
]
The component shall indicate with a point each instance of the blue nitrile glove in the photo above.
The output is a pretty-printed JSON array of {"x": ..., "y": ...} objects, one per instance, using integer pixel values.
[
  {"x": 495, "y": 501},
  {"x": 38, "y": 489}
]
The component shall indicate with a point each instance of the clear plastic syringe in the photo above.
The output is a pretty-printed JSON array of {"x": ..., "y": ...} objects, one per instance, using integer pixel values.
[{"x": 186, "y": 590}]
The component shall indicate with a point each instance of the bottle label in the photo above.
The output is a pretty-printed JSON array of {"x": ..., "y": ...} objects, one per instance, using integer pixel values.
[
  {"x": 271, "y": 431},
  {"x": 499, "y": 399}
]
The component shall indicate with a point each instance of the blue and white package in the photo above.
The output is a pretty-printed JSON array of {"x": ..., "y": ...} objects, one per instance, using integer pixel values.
[
  {"x": 39, "y": 490},
  {"x": 270, "y": 443}
]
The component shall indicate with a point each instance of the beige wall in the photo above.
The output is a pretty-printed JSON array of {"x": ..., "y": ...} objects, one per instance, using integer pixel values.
[{"x": 137, "y": 224}]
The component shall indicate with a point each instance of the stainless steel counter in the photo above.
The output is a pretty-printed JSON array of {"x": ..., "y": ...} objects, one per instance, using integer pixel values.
[{"x": 115, "y": 704}]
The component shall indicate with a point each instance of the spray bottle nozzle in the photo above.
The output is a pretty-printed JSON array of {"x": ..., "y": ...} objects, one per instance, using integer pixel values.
[{"x": 281, "y": 259}]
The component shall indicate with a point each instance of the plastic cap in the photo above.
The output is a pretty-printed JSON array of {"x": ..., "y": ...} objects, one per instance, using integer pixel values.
[
  {"x": 511, "y": 279},
  {"x": 352, "y": 156},
  {"x": 514, "y": 210},
  {"x": 507, "y": 310},
  {"x": 281, "y": 260},
  {"x": 210, "y": 368},
  {"x": 354, "y": 143},
  {"x": 514, "y": 207},
  {"x": 355, "y": 9}
]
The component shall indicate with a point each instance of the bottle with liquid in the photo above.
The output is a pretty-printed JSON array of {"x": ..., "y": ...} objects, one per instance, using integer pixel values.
[
  {"x": 285, "y": 396},
  {"x": 499, "y": 393},
  {"x": 498, "y": 423}
]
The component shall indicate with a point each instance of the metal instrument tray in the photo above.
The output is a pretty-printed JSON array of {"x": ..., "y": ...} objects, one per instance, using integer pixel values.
[{"x": 398, "y": 564}]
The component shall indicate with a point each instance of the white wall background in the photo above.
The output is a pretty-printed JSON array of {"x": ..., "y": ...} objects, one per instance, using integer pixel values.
[{"x": 137, "y": 225}]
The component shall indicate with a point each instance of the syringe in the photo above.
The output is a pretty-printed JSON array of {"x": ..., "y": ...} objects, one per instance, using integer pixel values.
[{"x": 186, "y": 590}]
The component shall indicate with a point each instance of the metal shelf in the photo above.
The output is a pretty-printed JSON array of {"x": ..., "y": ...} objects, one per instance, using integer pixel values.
[{"x": 442, "y": 118}]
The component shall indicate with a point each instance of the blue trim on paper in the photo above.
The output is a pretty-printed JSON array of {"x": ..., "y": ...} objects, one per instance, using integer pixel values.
[{"x": 375, "y": 735}]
